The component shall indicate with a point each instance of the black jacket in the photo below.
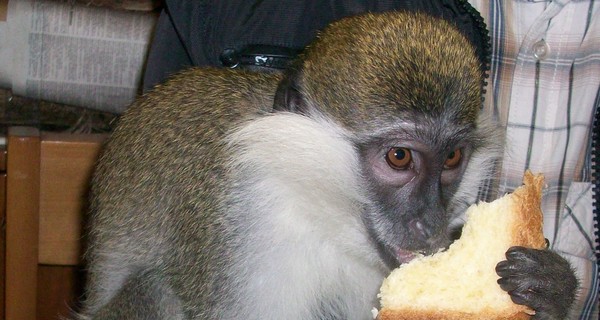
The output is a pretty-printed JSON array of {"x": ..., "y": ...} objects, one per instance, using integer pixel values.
[{"x": 233, "y": 32}]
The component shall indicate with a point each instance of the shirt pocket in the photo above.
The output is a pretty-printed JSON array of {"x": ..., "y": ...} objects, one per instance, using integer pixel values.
[{"x": 575, "y": 234}]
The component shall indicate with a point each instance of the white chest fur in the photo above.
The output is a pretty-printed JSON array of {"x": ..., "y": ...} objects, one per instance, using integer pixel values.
[{"x": 309, "y": 255}]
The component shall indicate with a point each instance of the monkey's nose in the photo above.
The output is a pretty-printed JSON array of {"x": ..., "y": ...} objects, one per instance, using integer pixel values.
[{"x": 418, "y": 229}]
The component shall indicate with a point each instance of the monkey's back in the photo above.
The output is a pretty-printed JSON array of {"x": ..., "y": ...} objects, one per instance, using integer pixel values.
[{"x": 167, "y": 177}]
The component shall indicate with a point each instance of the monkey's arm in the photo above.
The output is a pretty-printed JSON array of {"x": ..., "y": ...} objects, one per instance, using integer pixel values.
[{"x": 540, "y": 279}]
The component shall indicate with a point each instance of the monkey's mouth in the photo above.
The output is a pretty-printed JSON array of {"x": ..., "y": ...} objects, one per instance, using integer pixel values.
[{"x": 405, "y": 256}]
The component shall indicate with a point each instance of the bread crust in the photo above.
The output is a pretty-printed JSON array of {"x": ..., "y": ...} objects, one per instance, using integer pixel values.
[
  {"x": 527, "y": 231},
  {"x": 408, "y": 314}
]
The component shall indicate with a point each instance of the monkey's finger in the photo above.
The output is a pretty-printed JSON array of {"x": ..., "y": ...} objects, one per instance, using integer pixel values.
[
  {"x": 513, "y": 268},
  {"x": 524, "y": 259},
  {"x": 522, "y": 298},
  {"x": 505, "y": 268},
  {"x": 519, "y": 253},
  {"x": 543, "y": 307},
  {"x": 520, "y": 282},
  {"x": 507, "y": 285}
]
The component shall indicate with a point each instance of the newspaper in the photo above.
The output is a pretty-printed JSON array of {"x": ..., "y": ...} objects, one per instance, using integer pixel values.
[{"x": 74, "y": 54}]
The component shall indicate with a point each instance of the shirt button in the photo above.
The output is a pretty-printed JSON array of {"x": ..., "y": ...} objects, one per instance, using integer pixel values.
[{"x": 540, "y": 49}]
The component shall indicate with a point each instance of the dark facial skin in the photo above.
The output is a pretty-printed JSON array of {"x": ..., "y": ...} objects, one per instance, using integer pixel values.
[{"x": 413, "y": 173}]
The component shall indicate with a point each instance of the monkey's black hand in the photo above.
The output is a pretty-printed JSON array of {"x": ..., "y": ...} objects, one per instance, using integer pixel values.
[{"x": 539, "y": 279}]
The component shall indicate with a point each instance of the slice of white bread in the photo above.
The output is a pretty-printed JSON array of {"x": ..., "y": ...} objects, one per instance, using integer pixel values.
[{"x": 461, "y": 282}]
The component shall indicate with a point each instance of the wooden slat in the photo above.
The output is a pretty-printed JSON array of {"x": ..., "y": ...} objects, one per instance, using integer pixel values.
[
  {"x": 2, "y": 241},
  {"x": 2, "y": 158},
  {"x": 59, "y": 291},
  {"x": 22, "y": 222},
  {"x": 67, "y": 162},
  {"x": 3, "y": 9},
  {"x": 2, "y": 225}
]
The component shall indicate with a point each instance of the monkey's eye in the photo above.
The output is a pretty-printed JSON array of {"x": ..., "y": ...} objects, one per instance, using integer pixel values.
[
  {"x": 453, "y": 159},
  {"x": 399, "y": 158}
]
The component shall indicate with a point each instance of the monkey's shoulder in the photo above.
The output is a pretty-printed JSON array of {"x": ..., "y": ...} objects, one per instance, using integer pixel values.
[
  {"x": 219, "y": 87},
  {"x": 203, "y": 101}
]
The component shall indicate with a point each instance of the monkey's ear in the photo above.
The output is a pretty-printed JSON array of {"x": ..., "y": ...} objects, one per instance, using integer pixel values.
[{"x": 288, "y": 96}]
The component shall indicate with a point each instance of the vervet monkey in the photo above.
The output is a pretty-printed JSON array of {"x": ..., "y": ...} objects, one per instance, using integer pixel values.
[{"x": 227, "y": 194}]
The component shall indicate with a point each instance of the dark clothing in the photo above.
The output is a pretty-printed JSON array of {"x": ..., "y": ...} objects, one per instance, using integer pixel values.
[{"x": 209, "y": 32}]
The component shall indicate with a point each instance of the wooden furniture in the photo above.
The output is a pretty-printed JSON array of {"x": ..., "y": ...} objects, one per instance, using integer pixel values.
[
  {"x": 47, "y": 176},
  {"x": 2, "y": 225}
]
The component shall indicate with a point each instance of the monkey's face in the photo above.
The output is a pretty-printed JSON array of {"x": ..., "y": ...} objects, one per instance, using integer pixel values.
[
  {"x": 408, "y": 88},
  {"x": 412, "y": 173}
]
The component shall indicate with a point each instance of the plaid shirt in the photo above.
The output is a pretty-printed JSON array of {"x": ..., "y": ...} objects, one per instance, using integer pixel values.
[{"x": 544, "y": 87}]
